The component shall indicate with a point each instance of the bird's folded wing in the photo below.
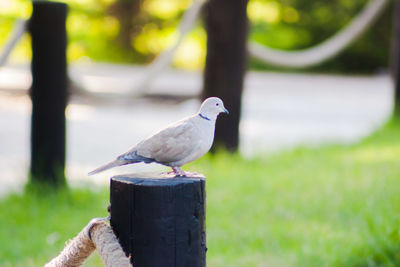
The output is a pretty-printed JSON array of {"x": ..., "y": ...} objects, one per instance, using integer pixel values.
[{"x": 171, "y": 144}]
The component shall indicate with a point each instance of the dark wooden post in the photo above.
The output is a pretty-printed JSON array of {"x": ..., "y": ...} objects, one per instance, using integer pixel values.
[
  {"x": 159, "y": 220},
  {"x": 227, "y": 27},
  {"x": 396, "y": 57},
  {"x": 48, "y": 92},
  {"x": 126, "y": 11}
]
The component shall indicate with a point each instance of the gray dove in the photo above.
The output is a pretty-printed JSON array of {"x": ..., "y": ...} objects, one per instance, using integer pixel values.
[{"x": 177, "y": 144}]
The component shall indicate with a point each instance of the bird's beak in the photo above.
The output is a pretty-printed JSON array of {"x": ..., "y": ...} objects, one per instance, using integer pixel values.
[{"x": 226, "y": 111}]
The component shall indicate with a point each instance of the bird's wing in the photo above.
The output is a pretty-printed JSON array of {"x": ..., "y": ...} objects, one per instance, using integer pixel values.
[{"x": 171, "y": 144}]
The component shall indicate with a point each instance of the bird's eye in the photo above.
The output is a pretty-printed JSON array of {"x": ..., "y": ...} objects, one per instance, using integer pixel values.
[{"x": 217, "y": 104}]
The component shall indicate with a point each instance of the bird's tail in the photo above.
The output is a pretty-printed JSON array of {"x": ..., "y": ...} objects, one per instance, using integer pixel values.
[{"x": 107, "y": 166}]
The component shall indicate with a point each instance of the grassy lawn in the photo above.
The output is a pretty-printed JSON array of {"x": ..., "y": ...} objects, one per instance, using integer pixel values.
[{"x": 330, "y": 206}]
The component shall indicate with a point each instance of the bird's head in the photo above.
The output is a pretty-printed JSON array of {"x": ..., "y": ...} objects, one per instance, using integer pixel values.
[{"x": 211, "y": 107}]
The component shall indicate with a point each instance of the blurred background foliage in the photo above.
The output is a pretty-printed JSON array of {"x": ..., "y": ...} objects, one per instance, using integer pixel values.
[{"x": 136, "y": 31}]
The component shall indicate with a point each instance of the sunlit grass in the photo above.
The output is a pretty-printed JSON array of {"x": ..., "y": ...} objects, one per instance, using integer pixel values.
[
  {"x": 35, "y": 226},
  {"x": 334, "y": 206},
  {"x": 331, "y": 206}
]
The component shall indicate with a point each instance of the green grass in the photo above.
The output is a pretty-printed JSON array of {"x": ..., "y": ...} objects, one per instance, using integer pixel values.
[
  {"x": 35, "y": 226},
  {"x": 331, "y": 206}
]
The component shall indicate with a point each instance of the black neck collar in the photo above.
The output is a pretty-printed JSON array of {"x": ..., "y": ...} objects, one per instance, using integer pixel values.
[{"x": 204, "y": 117}]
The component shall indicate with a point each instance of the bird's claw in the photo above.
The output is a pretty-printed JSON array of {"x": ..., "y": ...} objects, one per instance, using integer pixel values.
[{"x": 178, "y": 172}]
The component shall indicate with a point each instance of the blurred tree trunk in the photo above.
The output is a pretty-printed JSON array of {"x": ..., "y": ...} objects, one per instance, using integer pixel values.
[
  {"x": 49, "y": 92},
  {"x": 125, "y": 11},
  {"x": 227, "y": 28},
  {"x": 396, "y": 57}
]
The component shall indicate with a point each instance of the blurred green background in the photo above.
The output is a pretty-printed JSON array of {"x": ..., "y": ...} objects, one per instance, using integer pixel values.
[{"x": 104, "y": 30}]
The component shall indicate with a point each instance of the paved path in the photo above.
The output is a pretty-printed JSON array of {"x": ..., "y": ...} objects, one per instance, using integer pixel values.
[{"x": 280, "y": 111}]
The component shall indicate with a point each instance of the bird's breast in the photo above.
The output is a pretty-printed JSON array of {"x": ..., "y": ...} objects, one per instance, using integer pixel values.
[{"x": 207, "y": 138}]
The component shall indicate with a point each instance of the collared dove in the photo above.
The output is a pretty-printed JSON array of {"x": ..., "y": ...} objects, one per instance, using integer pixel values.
[{"x": 178, "y": 144}]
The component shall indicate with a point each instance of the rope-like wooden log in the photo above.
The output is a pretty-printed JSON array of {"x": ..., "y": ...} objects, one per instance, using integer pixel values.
[{"x": 97, "y": 234}]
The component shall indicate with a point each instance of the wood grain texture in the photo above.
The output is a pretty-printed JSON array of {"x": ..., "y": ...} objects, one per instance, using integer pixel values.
[{"x": 160, "y": 219}]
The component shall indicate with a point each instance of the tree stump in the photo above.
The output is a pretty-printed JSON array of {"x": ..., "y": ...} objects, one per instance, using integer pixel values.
[{"x": 159, "y": 219}]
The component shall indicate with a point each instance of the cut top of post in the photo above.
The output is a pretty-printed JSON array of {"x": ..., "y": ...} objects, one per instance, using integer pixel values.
[{"x": 153, "y": 178}]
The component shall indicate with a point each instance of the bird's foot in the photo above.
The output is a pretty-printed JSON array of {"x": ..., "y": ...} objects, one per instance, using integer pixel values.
[{"x": 178, "y": 172}]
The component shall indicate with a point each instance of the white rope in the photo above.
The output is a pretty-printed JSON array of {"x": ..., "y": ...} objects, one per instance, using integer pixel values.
[
  {"x": 299, "y": 59},
  {"x": 17, "y": 32},
  {"x": 96, "y": 235},
  {"x": 327, "y": 49},
  {"x": 165, "y": 58}
]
